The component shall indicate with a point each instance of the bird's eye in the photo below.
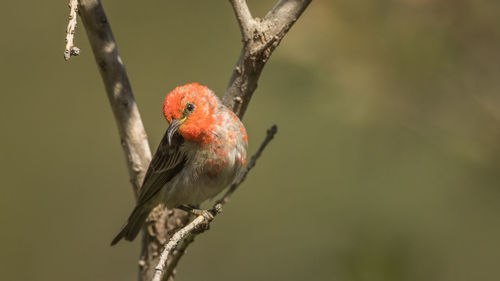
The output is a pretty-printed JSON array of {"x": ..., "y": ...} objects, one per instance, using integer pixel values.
[{"x": 190, "y": 107}]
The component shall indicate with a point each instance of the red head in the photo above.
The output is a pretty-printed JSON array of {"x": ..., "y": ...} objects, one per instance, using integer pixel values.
[{"x": 189, "y": 110}]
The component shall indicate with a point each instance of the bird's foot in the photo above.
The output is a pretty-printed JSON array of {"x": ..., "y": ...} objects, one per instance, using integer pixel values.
[{"x": 207, "y": 215}]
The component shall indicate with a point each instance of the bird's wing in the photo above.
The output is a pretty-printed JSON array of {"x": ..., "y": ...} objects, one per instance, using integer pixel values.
[{"x": 167, "y": 162}]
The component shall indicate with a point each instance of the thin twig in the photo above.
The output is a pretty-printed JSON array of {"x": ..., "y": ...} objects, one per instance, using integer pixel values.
[
  {"x": 71, "y": 49},
  {"x": 176, "y": 255},
  {"x": 269, "y": 137},
  {"x": 200, "y": 220},
  {"x": 244, "y": 18}
]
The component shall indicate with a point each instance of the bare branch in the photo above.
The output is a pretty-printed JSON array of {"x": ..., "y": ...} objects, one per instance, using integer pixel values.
[
  {"x": 176, "y": 238},
  {"x": 133, "y": 137},
  {"x": 175, "y": 257},
  {"x": 266, "y": 35},
  {"x": 70, "y": 49},
  {"x": 160, "y": 225},
  {"x": 199, "y": 221},
  {"x": 244, "y": 18},
  {"x": 161, "y": 222}
]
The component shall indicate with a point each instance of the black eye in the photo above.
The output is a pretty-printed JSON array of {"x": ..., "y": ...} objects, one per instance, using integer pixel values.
[{"x": 190, "y": 107}]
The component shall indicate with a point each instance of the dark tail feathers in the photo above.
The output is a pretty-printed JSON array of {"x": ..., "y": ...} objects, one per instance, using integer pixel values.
[{"x": 133, "y": 225}]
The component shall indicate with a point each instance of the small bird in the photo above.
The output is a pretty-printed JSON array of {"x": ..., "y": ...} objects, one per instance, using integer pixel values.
[{"x": 203, "y": 150}]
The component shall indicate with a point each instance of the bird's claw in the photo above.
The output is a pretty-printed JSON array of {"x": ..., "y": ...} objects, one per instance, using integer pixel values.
[
  {"x": 207, "y": 218},
  {"x": 207, "y": 215}
]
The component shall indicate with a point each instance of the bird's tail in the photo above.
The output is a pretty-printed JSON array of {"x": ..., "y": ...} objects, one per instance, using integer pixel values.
[{"x": 134, "y": 224}]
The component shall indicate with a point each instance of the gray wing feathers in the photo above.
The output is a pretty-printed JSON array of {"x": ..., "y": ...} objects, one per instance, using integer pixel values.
[{"x": 167, "y": 162}]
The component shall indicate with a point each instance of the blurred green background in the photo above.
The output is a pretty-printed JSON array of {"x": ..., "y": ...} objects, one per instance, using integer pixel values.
[{"x": 386, "y": 165}]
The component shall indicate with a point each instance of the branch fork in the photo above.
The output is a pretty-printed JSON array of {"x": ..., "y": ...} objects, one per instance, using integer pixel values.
[{"x": 260, "y": 37}]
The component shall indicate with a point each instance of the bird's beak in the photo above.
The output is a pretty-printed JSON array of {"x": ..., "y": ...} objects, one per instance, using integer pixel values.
[{"x": 172, "y": 129}]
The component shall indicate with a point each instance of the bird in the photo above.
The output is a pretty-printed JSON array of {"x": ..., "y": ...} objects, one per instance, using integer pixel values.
[{"x": 201, "y": 153}]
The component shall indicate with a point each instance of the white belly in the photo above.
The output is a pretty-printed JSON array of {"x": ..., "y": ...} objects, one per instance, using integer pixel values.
[{"x": 195, "y": 185}]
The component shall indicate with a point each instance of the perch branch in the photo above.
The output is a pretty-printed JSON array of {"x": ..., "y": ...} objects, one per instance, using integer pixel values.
[
  {"x": 176, "y": 256},
  {"x": 197, "y": 223},
  {"x": 174, "y": 240},
  {"x": 71, "y": 50}
]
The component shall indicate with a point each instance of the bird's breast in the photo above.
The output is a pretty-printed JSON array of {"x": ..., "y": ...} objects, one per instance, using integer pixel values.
[{"x": 211, "y": 166}]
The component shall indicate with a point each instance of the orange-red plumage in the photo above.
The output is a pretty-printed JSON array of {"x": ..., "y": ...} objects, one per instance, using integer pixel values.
[{"x": 201, "y": 121}]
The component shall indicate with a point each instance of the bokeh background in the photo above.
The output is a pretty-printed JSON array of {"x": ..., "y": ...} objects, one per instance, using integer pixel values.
[{"x": 385, "y": 167}]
